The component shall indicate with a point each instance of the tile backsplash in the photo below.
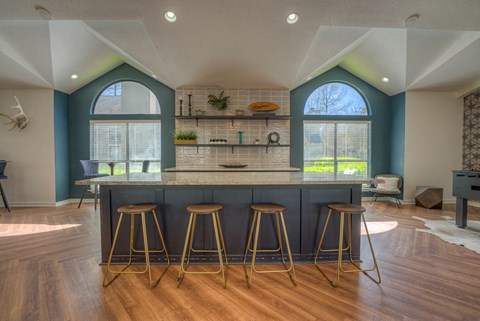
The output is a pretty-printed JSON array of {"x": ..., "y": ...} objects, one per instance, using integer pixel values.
[{"x": 253, "y": 129}]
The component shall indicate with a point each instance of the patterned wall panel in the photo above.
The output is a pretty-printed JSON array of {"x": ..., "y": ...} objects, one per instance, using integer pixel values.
[
  {"x": 206, "y": 130},
  {"x": 471, "y": 131}
]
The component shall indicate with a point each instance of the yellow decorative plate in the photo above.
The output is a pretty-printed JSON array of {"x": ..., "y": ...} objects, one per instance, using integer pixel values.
[{"x": 263, "y": 106}]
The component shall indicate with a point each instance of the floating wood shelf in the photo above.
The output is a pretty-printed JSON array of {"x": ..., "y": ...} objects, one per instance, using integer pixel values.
[
  {"x": 236, "y": 117},
  {"x": 232, "y": 145}
]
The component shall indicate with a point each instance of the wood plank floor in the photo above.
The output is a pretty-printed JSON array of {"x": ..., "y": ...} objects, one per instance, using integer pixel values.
[{"x": 49, "y": 270}]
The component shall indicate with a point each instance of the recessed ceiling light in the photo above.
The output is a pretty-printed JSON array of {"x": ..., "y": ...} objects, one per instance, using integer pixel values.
[
  {"x": 73, "y": 76},
  {"x": 170, "y": 16},
  {"x": 385, "y": 79},
  {"x": 292, "y": 18},
  {"x": 310, "y": 77},
  {"x": 410, "y": 21},
  {"x": 154, "y": 76},
  {"x": 43, "y": 12}
]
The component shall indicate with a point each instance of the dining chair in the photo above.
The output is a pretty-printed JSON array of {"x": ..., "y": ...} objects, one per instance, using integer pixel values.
[
  {"x": 145, "y": 166},
  {"x": 3, "y": 164},
  {"x": 90, "y": 170}
]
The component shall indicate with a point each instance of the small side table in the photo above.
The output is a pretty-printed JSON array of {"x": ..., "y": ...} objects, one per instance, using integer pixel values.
[{"x": 429, "y": 197}]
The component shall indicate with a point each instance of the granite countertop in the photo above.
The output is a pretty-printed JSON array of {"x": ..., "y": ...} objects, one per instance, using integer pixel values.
[
  {"x": 221, "y": 169},
  {"x": 224, "y": 178}
]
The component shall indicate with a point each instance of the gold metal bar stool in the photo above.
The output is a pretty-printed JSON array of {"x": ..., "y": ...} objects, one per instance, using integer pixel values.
[
  {"x": 204, "y": 209},
  {"x": 349, "y": 210},
  {"x": 134, "y": 210},
  {"x": 277, "y": 210}
]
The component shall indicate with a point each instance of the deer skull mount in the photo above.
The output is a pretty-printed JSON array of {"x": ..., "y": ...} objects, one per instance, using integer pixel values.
[{"x": 19, "y": 120}]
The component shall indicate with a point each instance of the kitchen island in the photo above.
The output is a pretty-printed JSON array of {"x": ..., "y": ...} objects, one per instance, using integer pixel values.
[{"x": 304, "y": 194}]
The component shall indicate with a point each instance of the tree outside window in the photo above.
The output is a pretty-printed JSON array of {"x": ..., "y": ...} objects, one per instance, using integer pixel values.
[{"x": 335, "y": 99}]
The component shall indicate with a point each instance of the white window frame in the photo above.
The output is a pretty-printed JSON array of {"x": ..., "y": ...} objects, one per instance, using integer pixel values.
[
  {"x": 127, "y": 161},
  {"x": 336, "y": 122}
]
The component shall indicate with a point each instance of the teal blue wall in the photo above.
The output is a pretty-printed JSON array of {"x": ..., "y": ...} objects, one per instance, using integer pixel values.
[
  {"x": 81, "y": 103},
  {"x": 61, "y": 135},
  {"x": 381, "y": 118},
  {"x": 397, "y": 145}
]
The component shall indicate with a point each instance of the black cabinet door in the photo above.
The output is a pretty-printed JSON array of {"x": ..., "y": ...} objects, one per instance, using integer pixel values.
[
  {"x": 291, "y": 199},
  {"x": 315, "y": 215},
  {"x": 235, "y": 218},
  {"x": 176, "y": 217},
  {"x": 120, "y": 197}
]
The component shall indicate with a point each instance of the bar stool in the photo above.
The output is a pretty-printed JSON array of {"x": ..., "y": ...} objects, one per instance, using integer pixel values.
[
  {"x": 258, "y": 210},
  {"x": 349, "y": 210},
  {"x": 133, "y": 210},
  {"x": 204, "y": 209}
]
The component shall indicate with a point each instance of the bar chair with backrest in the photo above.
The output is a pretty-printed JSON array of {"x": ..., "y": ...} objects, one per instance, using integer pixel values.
[{"x": 90, "y": 170}]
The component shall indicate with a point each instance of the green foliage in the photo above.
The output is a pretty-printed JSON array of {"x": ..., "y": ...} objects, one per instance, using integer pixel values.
[
  {"x": 326, "y": 164},
  {"x": 190, "y": 135},
  {"x": 219, "y": 102}
]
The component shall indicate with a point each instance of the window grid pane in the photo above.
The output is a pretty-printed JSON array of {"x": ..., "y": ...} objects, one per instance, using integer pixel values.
[
  {"x": 335, "y": 147},
  {"x": 335, "y": 99},
  {"x": 108, "y": 142},
  {"x": 127, "y": 97}
]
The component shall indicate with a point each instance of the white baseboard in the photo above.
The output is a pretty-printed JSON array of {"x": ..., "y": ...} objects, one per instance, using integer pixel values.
[
  {"x": 33, "y": 204},
  {"x": 474, "y": 204},
  {"x": 49, "y": 204},
  {"x": 412, "y": 201},
  {"x": 385, "y": 198}
]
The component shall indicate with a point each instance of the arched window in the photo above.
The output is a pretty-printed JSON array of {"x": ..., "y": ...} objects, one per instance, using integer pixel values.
[
  {"x": 127, "y": 97},
  {"x": 125, "y": 143},
  {"x": 336, "y": 99},
  {"x": 337, "y": 146}
]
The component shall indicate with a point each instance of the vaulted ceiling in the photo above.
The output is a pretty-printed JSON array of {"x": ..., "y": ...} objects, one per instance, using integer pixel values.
[{"x": 245, "y": 43}]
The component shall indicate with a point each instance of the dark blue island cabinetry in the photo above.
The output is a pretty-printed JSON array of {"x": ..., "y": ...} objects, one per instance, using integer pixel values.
[{"x": 304, "y": 195}]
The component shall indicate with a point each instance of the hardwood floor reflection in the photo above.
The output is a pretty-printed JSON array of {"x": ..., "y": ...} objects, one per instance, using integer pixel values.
[{"x": 49, "y": 270}]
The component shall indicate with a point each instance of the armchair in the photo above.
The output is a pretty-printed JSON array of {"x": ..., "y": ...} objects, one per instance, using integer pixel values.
[{"x": 387, "y": 185}]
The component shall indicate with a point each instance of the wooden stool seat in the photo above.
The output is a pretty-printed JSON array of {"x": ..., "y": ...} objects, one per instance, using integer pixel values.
[
  {"x": 204, "y": 208},
  {"x": 136, "y": 208},
  {"x": 347, "y": 208},
  {"x": 277, "y": 210},
  {"x": 268, "y": 208},
  {"x": 346, "y": 211},
  {"x": 133, "y": 210}
]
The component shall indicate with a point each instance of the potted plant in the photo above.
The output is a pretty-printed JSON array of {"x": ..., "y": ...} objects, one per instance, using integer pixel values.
[
  {"x": 220, "y": 102},
  {"x": 188, "y": 137}
]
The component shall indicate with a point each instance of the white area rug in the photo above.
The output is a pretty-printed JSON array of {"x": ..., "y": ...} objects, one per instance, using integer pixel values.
[{"x": 446, "y": 229}]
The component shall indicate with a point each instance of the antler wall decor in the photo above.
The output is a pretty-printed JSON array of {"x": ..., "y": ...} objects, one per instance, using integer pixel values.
[{"x": 19, "y": 120}]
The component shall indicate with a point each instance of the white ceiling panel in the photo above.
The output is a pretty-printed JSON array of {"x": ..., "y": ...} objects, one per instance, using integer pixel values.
[
  {"x": 382, "y": 54},
  {"x": 230, "y": 43},
  {"x": 131, "y": 40},
  {"x": 13, "y": 75},
  {"x": 76, "y": 51},
  {"x": 328, "y": 48},
  {"x": 456, "y": 73},
  {"x": 28, "y": 44}
]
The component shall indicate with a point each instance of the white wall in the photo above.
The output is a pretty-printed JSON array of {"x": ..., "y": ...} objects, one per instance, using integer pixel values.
[
  {"x": 31, "y": 173},
  {"x": 433, "y": 141}
]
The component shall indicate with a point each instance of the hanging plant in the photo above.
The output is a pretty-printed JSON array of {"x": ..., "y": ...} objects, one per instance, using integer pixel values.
[{"x": 220, "y": 102}]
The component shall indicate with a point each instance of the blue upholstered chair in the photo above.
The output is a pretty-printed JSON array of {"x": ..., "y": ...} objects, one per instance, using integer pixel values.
[
  {"x": 3, "y": 164},
  {"x": 90, "y": 170}
]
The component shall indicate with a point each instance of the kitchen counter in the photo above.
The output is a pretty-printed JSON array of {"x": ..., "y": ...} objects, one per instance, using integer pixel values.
[
  {"x": 224, "y": 178},
  {"x": 305, "y": 195}
]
